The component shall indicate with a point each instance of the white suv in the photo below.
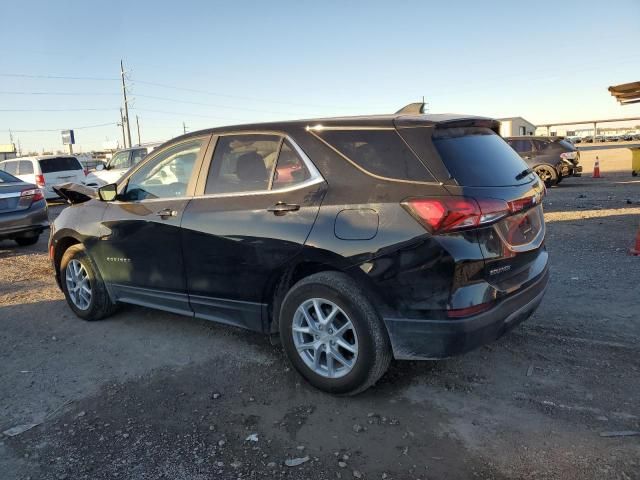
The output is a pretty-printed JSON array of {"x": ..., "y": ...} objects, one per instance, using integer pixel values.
[
  {"x": 46, "y": 171},
  {"x": 116, "y": 167}
]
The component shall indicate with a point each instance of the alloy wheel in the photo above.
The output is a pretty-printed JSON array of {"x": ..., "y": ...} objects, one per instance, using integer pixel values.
[
  {"x": 78, "y": 284},
  {"x": 325, "y": 338}
]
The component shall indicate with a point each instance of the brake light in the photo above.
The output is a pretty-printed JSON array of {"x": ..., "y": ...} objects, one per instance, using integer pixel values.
[
  {"x": 446, "y": 214},
  {"x": 86, "y": 172},
  {"x": 40, "y": 180},
  {"x": 34, "y": 194}
]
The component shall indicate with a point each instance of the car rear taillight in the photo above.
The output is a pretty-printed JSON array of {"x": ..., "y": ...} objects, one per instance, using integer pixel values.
[
  {"x": 86, "y": 172},
  {"x": 34, "y": 194},
  {"x": 446, "y": 214},
  {"x": 40, "y": 180},
  {"x": 27, "y": 197}
]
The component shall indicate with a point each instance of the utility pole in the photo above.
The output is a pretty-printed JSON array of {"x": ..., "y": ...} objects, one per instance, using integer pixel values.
[
  {"x": 126, "y": 105},
  {"x": 184, "y": 128},
  {"x": 124, "y": 138},
  {"x": 138, "y": 125}
]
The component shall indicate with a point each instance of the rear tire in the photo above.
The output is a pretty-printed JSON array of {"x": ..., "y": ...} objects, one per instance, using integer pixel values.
[
  {"x": 349, "y": 362},
  {"x": 26, "y": 241},
  {"x": 547, "y": 174},
  {"x": 83, "y": 287}
]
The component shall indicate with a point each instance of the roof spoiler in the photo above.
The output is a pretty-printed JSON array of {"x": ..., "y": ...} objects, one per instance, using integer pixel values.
[{"x": 417, "y": 108}]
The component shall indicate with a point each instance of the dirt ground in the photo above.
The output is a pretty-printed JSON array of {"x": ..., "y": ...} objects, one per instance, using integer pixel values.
[{"x": 146, "y": 395}]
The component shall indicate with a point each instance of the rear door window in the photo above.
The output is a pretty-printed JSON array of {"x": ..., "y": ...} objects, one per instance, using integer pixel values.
[
  {"x": 379, "y": 152},
  {"x": 25, "y": 167},
  {"x": 242, "y": 163},
  {"x": 290, "y": 169},
  {"x": 478, "y": 157},
  {"x": 59, "y": 164},
  {"x": 10, "y": 167}
]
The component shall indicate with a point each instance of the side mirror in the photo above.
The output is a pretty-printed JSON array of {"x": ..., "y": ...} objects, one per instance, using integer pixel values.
[
  {"x": 108, "y": 193},
  {"x": 100, "y": 166}
]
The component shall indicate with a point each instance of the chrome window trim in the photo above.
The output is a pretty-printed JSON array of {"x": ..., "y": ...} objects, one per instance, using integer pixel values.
[
  {"x": 298, "y": 186},
  {"x": 320, "y": 128},
  {"x": 315, "y": 177}
]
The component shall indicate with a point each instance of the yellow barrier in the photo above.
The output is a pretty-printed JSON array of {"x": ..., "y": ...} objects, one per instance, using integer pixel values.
[{"x": 635, "y": 161}]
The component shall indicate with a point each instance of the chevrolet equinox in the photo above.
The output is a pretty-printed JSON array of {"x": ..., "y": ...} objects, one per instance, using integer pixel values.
[{"x": 357, "y": 239}]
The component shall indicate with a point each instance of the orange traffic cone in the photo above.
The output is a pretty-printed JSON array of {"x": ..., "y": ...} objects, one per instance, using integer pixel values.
[
  {"x": 635, "y": 250},
  {"x": 596, "y": 169}
]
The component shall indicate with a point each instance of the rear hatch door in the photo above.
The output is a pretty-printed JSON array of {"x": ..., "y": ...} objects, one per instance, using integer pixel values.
[
  {"x": 62, "y": 169},
  {"x": 482, "y": 166}
]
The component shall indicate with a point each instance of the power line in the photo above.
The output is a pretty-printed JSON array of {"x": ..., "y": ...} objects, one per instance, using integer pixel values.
[
  {"x": 57, "y": 77},
  {"x": 213, "y": 105},
  {"x": 215, "y": 94},
  {"x": 75, "y": 94},
  {"x": 183, "y": 114},
  {"x": 58, "y": 129},
  {"x": 57, "y": 109}
]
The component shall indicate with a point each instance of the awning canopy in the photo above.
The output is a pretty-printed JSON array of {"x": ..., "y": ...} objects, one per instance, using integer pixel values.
[{"x": 626, "y": 93}]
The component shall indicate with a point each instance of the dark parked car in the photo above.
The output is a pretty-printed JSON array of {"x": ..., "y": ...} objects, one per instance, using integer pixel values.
[
  {"x": 356, "y": 239},
  {"x": 552, "y": 158},
  {"x": 23, "y": 210}
]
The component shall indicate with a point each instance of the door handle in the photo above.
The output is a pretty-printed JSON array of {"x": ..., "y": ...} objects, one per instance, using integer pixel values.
[
  {"x": 281, "y": 208},
  {"x": 166, "y": 213}
]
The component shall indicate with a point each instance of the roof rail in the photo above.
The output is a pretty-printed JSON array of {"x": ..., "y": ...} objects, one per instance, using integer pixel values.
[{"x": 413, "y": 108}]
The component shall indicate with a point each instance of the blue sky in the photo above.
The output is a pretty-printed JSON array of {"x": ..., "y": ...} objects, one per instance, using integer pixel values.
[{"x": 260, "y": 61}]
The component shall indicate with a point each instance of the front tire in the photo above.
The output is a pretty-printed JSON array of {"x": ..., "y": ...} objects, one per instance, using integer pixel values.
[
  {"x": 333, "y": 335},
  {"x": 82, "y": 285}
]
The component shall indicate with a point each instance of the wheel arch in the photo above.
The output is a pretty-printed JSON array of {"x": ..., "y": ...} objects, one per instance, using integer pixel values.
[
  {"x": 282, "y": 281},
  {"x": 60, "y": 246}
]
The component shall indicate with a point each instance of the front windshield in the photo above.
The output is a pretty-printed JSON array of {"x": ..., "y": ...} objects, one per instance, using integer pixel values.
[{"x": 118, "y": 161}]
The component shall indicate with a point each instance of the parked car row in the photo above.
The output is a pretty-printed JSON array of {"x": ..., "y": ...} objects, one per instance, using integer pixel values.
[{"x": 627, "y": 137}]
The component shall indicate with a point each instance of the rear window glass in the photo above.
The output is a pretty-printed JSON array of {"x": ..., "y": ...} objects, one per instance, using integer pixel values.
[
  {"x": 59, "y": 164},
  {"x": 25, "y": 167},
  {"x": 567, "y": 144},
  {"x": 477, "y": 157},
  {"x": 380, "y": 152},
  {"x": 6, "y": 178}
]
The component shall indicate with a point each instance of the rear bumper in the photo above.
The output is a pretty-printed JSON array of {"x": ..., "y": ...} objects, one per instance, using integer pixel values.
[
  {"x": 24, "y": 223},
  {"x": 433, "y": 339}
]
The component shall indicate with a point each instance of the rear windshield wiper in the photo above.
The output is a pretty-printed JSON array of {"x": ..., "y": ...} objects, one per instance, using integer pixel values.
[{"x": 523, "y": 174}]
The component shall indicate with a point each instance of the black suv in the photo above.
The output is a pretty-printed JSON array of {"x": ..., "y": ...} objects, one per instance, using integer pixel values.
[
  {"x": 356, "y": 239},
  {"x": 552, "y": 158}
]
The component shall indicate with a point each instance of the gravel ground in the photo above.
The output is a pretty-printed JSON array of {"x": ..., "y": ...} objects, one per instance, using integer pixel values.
[{"x": 148, "y": 394}]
